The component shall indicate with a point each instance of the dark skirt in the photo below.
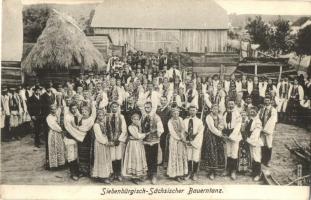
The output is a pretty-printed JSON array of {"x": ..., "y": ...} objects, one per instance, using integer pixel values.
[
  {"x": 244, "y": 157},
  {"x": 213, "y": 153},
  {"x": 84, "y": 154}
]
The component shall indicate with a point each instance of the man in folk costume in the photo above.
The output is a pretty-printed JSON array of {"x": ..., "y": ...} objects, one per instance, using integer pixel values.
[
  {"x": 117, "y": 135},
  {"x": 256, "y": 92},
  {"x": 162, "y": 59},
  {"x": 35, "y": 111},
  {"x": 192, "y": 96},
  {"x": 263, "y": 83},
  {"x": 5, "y": 114},
  {"x": 173, "y": 72},
  {"x": 268, "y": 116},
  {"x": 282, "y": 89},
  {"x": 151, "y": 123},
  {"x": 150, "y": 95},
  {"x": 194, "y": 136},
  {"x": 215, "y": 82},
  {"x": 15, "y": 114},
  {"x": 163, "y": 112},
  {"x": 295, "y": 96},
  {"x": 253, "y": 129},
  {"x": 181, "y": 102},
  {"x": 114, "y": 94},
  {"x": 232, "y": 128}
]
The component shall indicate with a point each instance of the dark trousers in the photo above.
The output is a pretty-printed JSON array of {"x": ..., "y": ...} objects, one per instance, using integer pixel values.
[
  {"x": 152, "y": 158},
  {"x": 164, "y": 147},
  {"x": 192, "y": 167},
  {"x": 116, "y": 166},
  {"x": 265, "y": 155},
  {"x": 256, "y": 168},
  {"x": 74, "y": 168},
  {"x": 5, "y": 131},
  {"x": 37, "y": 130},
  {"x": 232, "y": 164}
]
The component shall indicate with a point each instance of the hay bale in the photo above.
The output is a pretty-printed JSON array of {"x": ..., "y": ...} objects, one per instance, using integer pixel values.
[{"x": 61, "y": 45}]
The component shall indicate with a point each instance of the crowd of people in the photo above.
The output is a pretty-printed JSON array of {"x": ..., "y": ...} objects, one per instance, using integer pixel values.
[{"x": 144, "y": 113}]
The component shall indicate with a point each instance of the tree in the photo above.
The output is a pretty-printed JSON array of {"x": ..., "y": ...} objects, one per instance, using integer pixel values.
[
  {"x": 303, "y": 44},
  {"x": 279, "y": 37},
  {"x": 34, "y": 20},
  {"x": 259, "y": 32}
]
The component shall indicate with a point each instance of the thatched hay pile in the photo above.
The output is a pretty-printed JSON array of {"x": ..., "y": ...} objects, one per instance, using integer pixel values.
[{"x": 62, "y": 45}]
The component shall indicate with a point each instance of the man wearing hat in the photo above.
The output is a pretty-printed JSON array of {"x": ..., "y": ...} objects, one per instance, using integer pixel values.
[
  {"x": 231, "y": 131},
  {"x": 194, "y": 136},
  {"x": 151, "y": 123},
  {"x": 117, "y": 135},
  {"x": 268, "y": 116},
  {"x": 35, "y": 111},
  {"x": 5, "y": 113},
  {"x": 150, "y": 95}
]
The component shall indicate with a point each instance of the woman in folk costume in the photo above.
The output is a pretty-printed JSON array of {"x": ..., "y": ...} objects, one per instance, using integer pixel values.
[
  {"x": 268, "y": 116},
  {"x": 117, "y": 135},
  {"x": 244, "y": 156},
  {"x": 194, "y": 132},
  {"x": 72, "y": 120},
  {"x": 232, "y": 134},
  {"x": 85, "y": 124},
  {"x": 177, "y": 162},
  {"x": 213, "y": 152},
  {"x": 252, "y": 130},
  {"x": 102, "y": 165},
  {"x": 135, "y": 164},
  {"x": 218, "y": 96},
  {"x": 55, "y": 140},
  {"x": 239, "y": 102},
  {"x": 232, "y": 87}
]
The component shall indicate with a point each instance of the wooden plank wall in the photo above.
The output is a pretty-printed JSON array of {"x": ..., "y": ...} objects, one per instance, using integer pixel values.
[
  {"x": 151, "y": 40},
  {"x": 102, "y": 43},
  {"x": 11, "y": 73}
]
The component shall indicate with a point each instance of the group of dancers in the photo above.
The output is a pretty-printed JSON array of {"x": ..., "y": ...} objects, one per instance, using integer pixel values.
[{"x": 129, "y": 121}]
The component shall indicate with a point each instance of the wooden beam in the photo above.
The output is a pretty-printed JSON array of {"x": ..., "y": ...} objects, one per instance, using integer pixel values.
[
  {"x": 255, "y": 69},
  {"x": 280, "y": 75}
]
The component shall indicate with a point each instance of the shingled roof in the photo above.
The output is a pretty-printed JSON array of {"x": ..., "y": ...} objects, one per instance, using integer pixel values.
[{"x": 160, "y": 14}]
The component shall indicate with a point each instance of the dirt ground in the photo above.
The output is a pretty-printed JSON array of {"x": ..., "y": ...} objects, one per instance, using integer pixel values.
[{"x": 22, "y": 163}]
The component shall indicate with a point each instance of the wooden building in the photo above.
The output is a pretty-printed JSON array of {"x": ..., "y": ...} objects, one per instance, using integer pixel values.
[
  {"x": 190, "y": 25},
  {"x": 12, "y": 43}
]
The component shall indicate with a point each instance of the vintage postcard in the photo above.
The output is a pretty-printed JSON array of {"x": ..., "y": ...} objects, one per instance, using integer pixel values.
[{"x": 155, "y": 99}]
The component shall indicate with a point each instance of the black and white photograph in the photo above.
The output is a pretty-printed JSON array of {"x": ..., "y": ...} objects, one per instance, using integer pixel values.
[{"x": 156, "y": 98}]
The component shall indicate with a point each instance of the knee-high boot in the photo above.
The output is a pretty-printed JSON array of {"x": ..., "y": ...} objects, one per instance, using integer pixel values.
[
  {"x": 269, "y": 154},
  {"x": 264, "y": 155}
]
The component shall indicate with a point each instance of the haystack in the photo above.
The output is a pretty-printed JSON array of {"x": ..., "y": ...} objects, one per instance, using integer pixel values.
[{"x": 62, "y": 46}]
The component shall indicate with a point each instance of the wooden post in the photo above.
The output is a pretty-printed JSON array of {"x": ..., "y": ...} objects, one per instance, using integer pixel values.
[
  {"x": 205, "y": 52},
  {"x": 178, "y": 53},
  {"x": 255, "y": 69},
  {"x": 299, "y": 174},
  {"x": 280, "y": 75}
]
